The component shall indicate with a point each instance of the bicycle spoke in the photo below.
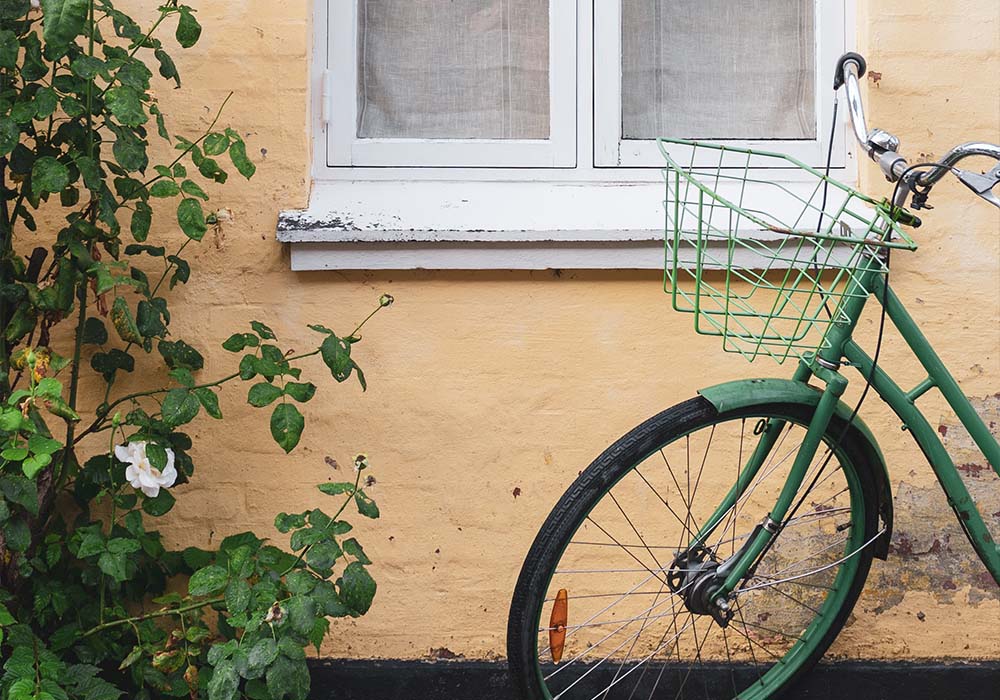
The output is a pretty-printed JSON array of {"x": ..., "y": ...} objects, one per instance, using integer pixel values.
[{"x": 628, "y": 635}]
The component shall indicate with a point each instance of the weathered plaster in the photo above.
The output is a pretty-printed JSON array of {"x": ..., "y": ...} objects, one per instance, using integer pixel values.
[{"x": 484, "y": 383}]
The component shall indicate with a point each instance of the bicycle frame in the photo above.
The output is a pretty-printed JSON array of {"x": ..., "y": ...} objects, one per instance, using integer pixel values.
[{"x": 825, "y": 365}]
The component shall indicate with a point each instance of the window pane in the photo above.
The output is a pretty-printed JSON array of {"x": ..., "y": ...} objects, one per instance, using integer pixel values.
[
  {"x": 453, "y": 70},
  {"x": 718, "y": 69}
]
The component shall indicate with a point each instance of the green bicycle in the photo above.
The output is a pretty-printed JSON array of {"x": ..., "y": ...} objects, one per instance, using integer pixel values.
[{"x": 717, "y": 549}]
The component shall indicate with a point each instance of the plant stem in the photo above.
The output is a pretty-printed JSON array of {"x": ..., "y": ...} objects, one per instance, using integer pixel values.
[
  {"x": 298, "y": 560},
  {"x": 139, "y": 394},
  {"x": 148, "y": 616},
  {"x": 74, "y": 381}
]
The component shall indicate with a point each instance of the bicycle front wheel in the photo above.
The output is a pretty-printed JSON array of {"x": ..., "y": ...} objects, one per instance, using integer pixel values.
[{"x": 604, "y": 606}]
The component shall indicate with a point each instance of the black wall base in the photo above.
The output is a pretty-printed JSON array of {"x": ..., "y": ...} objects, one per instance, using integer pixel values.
[{"x": 478, "y": 680}]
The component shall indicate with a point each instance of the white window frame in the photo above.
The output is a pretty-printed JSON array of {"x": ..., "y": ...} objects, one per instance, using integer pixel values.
[
  {"x": 611, "y": 150},
  {"x": 584, "y": 216},
  {"x": 344, "y": 148}
]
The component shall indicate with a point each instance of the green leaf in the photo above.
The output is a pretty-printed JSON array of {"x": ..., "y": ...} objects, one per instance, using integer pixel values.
[
  {"x": 366, "y": 506},
  {"x": 283, "y": 522},
  {"x": 209, "y": 400},
  {"x": 124, "y": 323},
  {"x": 215, "y": 144},
  {"x": 22, "y": 689},
  {"x": 10, "y": 134},
  {"x": 108, "y": 363},
  {"x": 167, "y": 67},
  {"x": 180, "y": 406},
  {"x": 49, "y": 175},
  {"x": 288, "y": 679},
  {"x": 301, "y": 612},
  {"x": 164, "y": 189},
  {"x": 333, "y": 488},
  {"x": 46, "y": 101},
  {"x": 123, "y": 545},
  {"x": 188, "y": 29},
  {"x": 9, "y": 49},
  {"x": 194, "y": 189},
  {"x": 191, "y": 218},
  {"x": 261, "y": 655},
  {"x": 93, "y": 178},
  {"x": 17, "y": 536},
  {"x": 148, "y": 320},
  {"x": 21, "y": 491},
  {"x": 5, "y": 617},
  {"x": 91, "y": 544},
  {"x": 336, "y": 353},
  {"x": 14, "y": 454},
  {"x": 124, "y": 102},
  {"x": 300, "y": 392},
  {"x": 262, "y": 394},
  {"x": 218, "y": 652},
  {"x": 239, "y": 341},
  {"x": 33, "y": 67},
  {"x": 356, "y": 588},
  {"x": 87, "y": 67},
  {"x": 207, "y": 581},
  {"x": 353, "y": 548},
  {"x": 94, "y": 332},
  {"x": 157, "y": 455},
  {"x": 114, "y": 565},
  {"x": 63, "y": 20},
  {"x": 238, "y": 154},
  {"x": 238, "y": 596},
  {"x": 286, "y": 426},
  {"x": 180, "y": 354},
  {"x": 225, "y": 682},
  {"x": 142, "y": 217},
  {"x": 323, "y": 555},
  {"x": 129, "y": 150},
  {"x": 307, "y": 536},
  {"x": 263, "y": 331},
  {"x": 34, "y": 464},
  {"x": 182, "y": 376}
]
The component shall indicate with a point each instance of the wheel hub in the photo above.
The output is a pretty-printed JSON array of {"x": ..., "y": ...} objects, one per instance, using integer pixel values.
[{"x": 693, "y": 576}]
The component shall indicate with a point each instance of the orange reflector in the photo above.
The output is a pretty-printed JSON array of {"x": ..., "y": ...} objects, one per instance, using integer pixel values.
[{"x": 557, "y": 625}]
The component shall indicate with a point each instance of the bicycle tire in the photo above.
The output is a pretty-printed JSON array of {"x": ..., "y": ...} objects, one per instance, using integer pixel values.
[{"x": 612, "y": 466}]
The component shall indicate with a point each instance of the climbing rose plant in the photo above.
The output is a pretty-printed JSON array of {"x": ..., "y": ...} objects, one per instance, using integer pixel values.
[{"x": 93, "y": 606}]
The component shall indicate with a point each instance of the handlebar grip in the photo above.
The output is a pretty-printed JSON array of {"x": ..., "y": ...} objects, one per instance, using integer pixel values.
[{"x": 838, "y": 74}]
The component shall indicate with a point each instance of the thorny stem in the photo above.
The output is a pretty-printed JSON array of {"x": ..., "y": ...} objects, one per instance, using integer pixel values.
[
  {"x": 151, "y": 392},
  {"x": 350, "y": 497},
  {"x": 148, "y": 616}
]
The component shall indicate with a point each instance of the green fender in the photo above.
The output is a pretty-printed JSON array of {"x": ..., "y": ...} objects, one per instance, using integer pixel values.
[{"x": 753, "y": 392}]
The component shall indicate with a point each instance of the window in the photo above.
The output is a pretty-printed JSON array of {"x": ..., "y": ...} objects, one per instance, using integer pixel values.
[
  {"x": 443, "y": 83},
  {"x": 488, "y": 124},
  {"x": 736, "y": 72}
]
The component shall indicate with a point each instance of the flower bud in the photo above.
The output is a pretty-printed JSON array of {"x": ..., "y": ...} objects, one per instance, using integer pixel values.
[{"x": 385, "y": 300}]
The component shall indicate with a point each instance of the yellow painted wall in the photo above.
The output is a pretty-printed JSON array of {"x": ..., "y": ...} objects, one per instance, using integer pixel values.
[{"x": 483, "y": 383}]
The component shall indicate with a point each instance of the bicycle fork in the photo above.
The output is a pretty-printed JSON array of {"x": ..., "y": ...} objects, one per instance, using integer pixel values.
[{"x": 742, "y": 564}]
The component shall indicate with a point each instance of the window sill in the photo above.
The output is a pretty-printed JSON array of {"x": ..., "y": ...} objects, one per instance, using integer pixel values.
[
  {"x": 398, "y": 225},
  {"x": 465, "y": 225}
]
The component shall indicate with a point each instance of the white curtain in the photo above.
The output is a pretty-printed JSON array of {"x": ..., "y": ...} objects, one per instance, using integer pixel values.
[
  {"x": 718, "y": 69},
  {"x": 453, "y": 69}
]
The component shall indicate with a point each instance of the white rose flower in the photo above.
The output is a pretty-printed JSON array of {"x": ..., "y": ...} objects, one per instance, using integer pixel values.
[{"x": 141, "y": 474}]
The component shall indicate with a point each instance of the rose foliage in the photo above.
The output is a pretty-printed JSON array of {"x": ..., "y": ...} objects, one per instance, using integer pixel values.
[{"x": 93, "y": 606}]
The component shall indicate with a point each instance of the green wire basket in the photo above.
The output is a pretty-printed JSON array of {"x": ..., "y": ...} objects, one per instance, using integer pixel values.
[{"x": 758, "y": 262}]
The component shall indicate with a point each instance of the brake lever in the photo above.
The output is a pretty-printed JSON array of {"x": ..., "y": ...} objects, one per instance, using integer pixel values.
[{"x": 982, "y": 183}]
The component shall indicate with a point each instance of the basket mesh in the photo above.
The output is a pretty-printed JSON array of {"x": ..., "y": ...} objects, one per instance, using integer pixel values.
[{"x": 754, "y": 260}]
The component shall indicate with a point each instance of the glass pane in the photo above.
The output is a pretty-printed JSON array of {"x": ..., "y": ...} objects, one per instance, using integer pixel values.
[
  {"x": 717, "y": 69},
  {"x": 453, "y": 70}
]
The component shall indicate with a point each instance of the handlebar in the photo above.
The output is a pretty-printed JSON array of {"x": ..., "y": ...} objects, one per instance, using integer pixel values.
[{"x": 882, "y": 147}]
